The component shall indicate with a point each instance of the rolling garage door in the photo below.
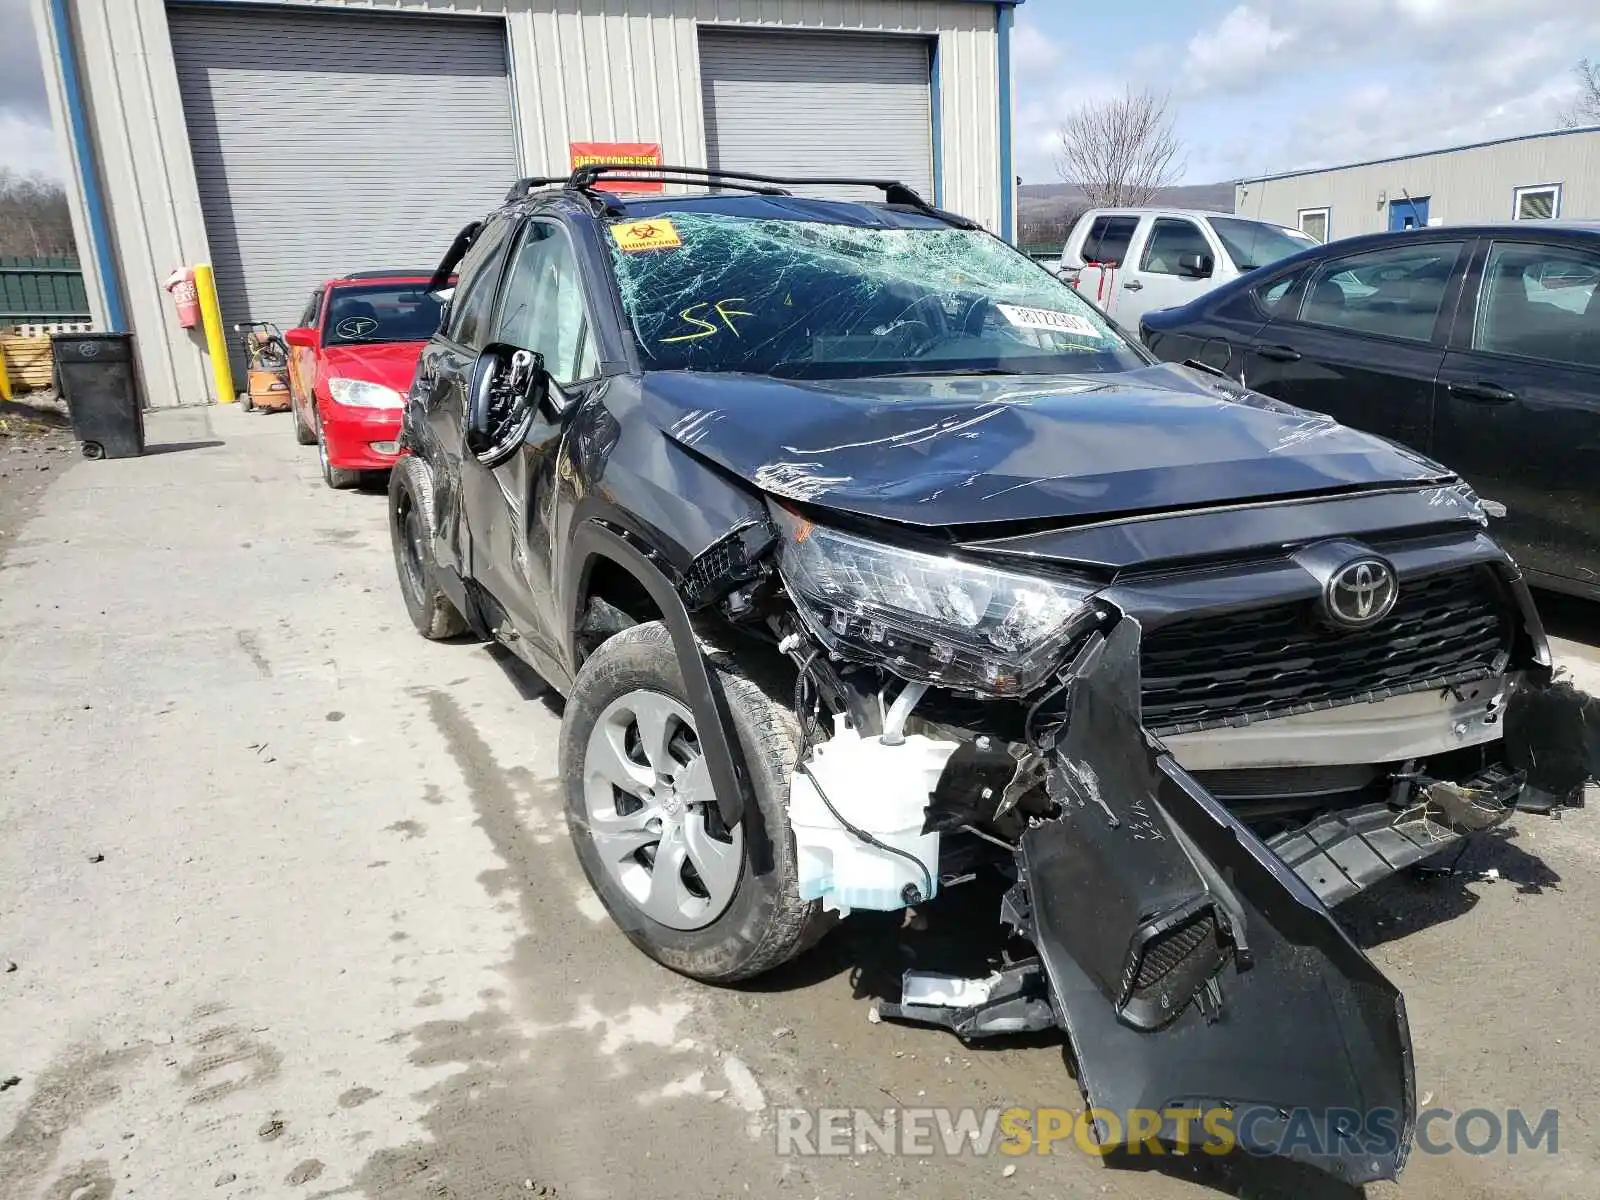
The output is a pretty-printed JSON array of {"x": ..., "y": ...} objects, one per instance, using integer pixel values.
[
  {"x": 327, "y": 143},
  {"x": 818, "y": 104}
]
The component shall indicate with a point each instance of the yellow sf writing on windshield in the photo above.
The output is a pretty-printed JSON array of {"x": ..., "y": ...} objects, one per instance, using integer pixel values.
[{"x": 707, "y": 328}]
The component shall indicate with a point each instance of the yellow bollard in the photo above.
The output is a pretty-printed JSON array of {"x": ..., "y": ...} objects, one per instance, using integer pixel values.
[
  {"x": 205, "y": 288},
  {"x": 5, "y": 376}
]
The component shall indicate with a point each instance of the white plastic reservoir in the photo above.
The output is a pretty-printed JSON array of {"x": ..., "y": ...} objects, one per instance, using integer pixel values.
[{"x": 882, "y": 789}]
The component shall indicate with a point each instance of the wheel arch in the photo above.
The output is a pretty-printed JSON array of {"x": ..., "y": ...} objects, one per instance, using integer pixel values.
[{"x": 610, "y": 555}]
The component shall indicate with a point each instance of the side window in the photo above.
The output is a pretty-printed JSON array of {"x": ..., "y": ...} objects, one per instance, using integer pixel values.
[
  {"x": 1170, "y": 240},
  {"x": 543, "y": 308},
  {"x": 1108, "y": 239},
  {"x": 1395, "y": 292},
  {"x": 1271, "y": 295},
  {"x": 1538, "y": 301},
  {"x": 476, "y": 280}
]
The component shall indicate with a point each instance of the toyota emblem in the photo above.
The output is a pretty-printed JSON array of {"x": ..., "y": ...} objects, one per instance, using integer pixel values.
[{"x": 1361, "y": 593}]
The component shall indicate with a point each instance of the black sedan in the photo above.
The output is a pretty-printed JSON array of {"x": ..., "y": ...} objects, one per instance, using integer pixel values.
[{"x": 1478, "y": 345}]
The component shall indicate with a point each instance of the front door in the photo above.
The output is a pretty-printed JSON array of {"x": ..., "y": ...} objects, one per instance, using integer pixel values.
[
  {"x": 542, "y": 309},
  {"x": 1366, "y": 340},
  {"x": 1409, "y": 213},
  {"x": 1519, "y": 404},
  {"x": 1156, "y": 276}
]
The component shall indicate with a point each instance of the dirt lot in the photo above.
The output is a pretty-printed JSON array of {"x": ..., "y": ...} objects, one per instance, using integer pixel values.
[{"x": 292, "y": 910}]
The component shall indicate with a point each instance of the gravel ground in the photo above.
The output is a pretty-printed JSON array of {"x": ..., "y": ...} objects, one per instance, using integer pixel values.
[
  {"x": 293, "y": 913},
  {"x": 35, "y": 443}
]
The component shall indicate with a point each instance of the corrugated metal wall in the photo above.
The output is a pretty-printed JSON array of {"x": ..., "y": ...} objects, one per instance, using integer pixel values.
[
  {"x": 41, "y": 289},
  {"x": 1462, "y": 186},
  {"x": 601, "y": 70}
]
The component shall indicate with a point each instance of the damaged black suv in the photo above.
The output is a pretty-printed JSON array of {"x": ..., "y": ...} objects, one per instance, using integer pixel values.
[{"x": 870, "y": 558}]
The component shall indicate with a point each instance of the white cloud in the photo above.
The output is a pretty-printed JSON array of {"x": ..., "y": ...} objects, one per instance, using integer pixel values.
[
  {"x": 27, "y": 145},
  {"x": 1243, "y": 43}
]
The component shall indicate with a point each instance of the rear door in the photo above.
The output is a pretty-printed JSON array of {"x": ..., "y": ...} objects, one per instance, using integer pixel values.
[
  {"x": 1518, "y": 402},
  {"x": 444, "y": 373},
  {"x": 1152, "y": 279},
  {"x": 1365, "y": 341},
  {"x": 1101, "y": 255}
]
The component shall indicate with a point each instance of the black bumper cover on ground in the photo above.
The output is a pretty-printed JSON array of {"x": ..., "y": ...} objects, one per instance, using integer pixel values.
[{"x": 1191, "y": 968}]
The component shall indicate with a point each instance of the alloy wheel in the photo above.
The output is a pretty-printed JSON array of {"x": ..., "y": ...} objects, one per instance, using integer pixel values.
[{"x": 652, "y": 812}]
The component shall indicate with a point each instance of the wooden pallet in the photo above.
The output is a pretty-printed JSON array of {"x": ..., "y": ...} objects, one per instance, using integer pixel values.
[{"x": 28, "y": 360}]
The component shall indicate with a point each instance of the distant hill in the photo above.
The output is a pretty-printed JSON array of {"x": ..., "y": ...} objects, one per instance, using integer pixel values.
[
  {"x": 1212, "y": 197},
  {"x": 1046, "y": 211}
]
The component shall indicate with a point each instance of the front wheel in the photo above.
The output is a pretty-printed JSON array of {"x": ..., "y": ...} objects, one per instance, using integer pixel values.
[
  {"x": 335, "y": 477},
  {"x": 713, "y": 903}
]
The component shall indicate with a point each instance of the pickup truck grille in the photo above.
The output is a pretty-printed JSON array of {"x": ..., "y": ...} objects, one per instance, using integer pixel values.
[{"x": 1275, "y": 661}]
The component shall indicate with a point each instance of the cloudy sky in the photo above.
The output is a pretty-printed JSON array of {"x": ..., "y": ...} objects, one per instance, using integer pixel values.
[
  {"x": 1274, "y": 85},
  {"x": 1267, "y": 85},
  {"x": 26, "y": 143}
]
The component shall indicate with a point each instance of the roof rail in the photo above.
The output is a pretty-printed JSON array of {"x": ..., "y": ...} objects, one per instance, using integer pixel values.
[
  {"x": 522, "y": 188},
  {"x": 894, "y": 192}
]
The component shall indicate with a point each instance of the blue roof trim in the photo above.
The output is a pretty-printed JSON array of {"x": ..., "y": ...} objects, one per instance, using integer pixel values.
[
  {"x": 1378, "y": 162},
  {"x": 83, "y": 155}
]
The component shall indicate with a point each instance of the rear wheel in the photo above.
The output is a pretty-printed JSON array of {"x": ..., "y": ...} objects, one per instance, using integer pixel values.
[
  {"x": 411, "y": 529},
  {"x": 303, "y": 433},
  {"x": 711, "y": 902},
  {"x": 335, "y": 477}
]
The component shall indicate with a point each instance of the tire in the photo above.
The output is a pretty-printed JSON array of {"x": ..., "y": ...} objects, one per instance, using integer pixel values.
[
  {"x": 93, "y": 450},
  {"x": 247, "y": 402},
  {"x": 303, "y": 433},
  {"x": 337, "y": 478},
  {"x": 411, "y": 531},
  {"x": 747, "y": 916}
]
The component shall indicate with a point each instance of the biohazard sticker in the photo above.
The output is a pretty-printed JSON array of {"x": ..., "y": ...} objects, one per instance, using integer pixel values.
[
  {"x": 1047, "y": 318},
  {"x": 657, "y": 234}
]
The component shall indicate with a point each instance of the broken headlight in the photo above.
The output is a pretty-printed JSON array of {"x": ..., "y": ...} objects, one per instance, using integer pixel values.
[{"x": 928, "y": 617}]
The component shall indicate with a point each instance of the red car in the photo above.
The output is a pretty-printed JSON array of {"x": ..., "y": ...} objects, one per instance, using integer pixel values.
[{"x": 350, "y": 365}]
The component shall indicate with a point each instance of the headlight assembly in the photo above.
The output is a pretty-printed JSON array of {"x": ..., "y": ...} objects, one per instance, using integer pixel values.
[
  {"x": 362, "y": 394},
  {"x": 928, "y": 617}
]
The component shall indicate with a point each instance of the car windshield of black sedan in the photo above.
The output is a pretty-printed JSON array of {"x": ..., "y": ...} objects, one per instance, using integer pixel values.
[
  {"x": 811, "y": 300},
  {"x": 381, "y": 313}
]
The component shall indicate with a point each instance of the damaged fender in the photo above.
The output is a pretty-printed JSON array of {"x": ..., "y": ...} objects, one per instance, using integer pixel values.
[{"x": 1190, "y": 967}]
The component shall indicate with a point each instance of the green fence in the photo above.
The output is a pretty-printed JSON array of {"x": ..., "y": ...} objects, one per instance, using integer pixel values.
[{"x": 39, "y": 290}]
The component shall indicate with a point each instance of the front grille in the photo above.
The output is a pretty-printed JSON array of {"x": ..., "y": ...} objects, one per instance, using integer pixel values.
[
  {"x": 1269, "y": 662},
  {"x": 1167, "y": 952}
]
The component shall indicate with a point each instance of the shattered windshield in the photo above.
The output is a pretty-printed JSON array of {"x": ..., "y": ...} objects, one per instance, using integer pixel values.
[{"x": 806, "y": 299}]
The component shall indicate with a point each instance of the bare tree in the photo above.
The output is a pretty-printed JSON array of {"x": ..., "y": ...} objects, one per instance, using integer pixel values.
[
  {"x": 34, "y": 219},
  {"x": 1585, "y": 110},
  {"x": 1120, "y": 151}
]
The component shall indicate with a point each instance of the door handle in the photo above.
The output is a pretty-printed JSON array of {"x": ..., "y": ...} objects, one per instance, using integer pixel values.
[
  {"x": 1285, "y": 354},
  {"x": 1481, "y": 392},
  {"x": 1133, "y": 285}
]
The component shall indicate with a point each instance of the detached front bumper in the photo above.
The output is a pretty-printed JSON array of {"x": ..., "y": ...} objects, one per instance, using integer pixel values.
[{"x": 360, "y": 439}]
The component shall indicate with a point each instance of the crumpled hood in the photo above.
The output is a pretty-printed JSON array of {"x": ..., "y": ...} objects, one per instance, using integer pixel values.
[
  {"x": 969, "y": 449},
  {"x": 391, "y": 364}
]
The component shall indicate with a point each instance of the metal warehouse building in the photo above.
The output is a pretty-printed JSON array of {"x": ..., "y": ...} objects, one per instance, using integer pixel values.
[
  {"x": 1517, "y": 179},
  {"x": 286, "y": 143}
]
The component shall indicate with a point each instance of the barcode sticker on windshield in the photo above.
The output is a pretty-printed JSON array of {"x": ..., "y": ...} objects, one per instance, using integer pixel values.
[{"x": 1047, "y": 318}]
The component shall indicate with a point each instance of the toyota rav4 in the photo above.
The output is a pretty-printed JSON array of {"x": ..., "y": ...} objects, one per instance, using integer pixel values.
[{"x": 870, "y": 559}]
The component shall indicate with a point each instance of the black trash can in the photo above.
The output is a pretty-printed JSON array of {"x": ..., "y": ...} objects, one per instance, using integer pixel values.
[{"x": 96, "y": 374}]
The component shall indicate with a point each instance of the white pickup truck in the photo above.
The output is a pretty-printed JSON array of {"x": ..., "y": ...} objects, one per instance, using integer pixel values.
[{"x": 1131, "y": 261}]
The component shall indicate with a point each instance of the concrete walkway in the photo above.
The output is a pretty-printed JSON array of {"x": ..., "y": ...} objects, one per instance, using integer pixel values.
[{"x": 293, "y": 913}]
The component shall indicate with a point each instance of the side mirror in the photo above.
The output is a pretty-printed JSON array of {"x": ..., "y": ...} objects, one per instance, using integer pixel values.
[
  {"x": 508, "y": 387},
  {"x": 1194, "y": 266},
  {"x": 303, "y": 336}
]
